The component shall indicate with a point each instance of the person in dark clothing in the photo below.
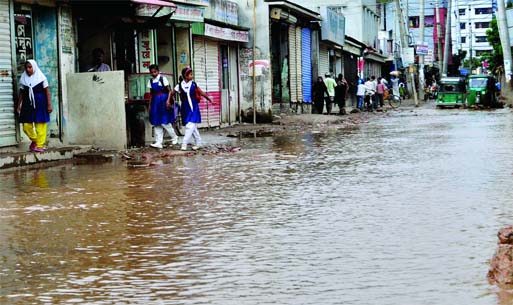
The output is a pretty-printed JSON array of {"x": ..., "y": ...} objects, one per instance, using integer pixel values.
[
  {"x": 319, "y": 91},
  {"x": 340, "y": 93}
]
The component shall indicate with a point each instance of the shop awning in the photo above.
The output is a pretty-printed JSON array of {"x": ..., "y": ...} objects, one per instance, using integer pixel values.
[{"x": 155, "y": 2}]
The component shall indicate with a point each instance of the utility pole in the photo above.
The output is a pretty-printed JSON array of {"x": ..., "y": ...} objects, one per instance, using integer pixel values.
[
  {"x": 404, "y": 44},
  {"x": 447, "y": 39},
  {"x": 506, "y": 48},
  {"x": 254, "y": 60},
  {"x": 438, "y": 33},
  {"x": 421, "y": 56},
  {"x": 470, "y": 37}
]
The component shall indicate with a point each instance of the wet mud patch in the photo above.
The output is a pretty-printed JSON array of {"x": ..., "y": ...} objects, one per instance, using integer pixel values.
[{"x": 146, "y": 157}]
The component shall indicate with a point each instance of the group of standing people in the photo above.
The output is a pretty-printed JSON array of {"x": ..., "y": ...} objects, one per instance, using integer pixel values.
[
  {"x": 328, "y": 91},
  {"x": 372, "y": 93}
]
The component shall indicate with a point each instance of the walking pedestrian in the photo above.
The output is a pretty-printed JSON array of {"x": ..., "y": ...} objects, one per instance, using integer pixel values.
[
  {"x": 341, "y": 93},
  {"x": 380, "y": 92},
  {"x": 360, "y": 94},
  {"x": 330, "y": 85},
  {"x": 190, "y": 96},
  {"x": 162, "y": 114},
  {"x": 375, "y": 88},
  {"x": 319, "y": 91},
  {"x": 370, "y": 91},
  {"x": 395, "y": 86},
  {"x": 34, "y": 105}
]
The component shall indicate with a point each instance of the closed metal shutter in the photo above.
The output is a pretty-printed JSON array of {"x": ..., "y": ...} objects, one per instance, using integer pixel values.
[
  {"x": 324, "y": 60},
  {"x": 306, "y": 64},
  {"x": 292, "y": 64},
  {"x": 206, "y": 75},
  {"x": 7, "y": 118}
]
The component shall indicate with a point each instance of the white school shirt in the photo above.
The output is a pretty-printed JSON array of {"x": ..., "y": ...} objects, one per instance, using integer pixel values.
[
  {"x": 156, "y": 80},
  {"x": 186, "y": 88},
  {"x": 361, "y": 90}
]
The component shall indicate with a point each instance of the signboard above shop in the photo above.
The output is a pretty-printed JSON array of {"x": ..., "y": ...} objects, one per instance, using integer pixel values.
[
  {"x": 226, "y": 33},
  {"x": 422, "y": 48},
  {"x": 188, "y": 13},
  {"x": 181, "y": 12},
  {"x": 333, "y": 26},
  {"x": 408, "y": 56}
]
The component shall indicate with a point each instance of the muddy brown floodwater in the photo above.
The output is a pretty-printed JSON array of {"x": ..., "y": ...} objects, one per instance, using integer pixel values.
[{"x": 402, "y": 210}]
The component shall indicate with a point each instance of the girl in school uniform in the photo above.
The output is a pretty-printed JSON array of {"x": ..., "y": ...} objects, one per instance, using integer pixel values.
[
  {"x": 34, "y": 105},
  {"x": 190, "y": 95},
  {"x": 162, "y": 114}
]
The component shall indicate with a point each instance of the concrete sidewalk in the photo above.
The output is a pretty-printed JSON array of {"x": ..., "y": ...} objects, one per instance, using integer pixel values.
[
  {"x": 16, "y": 159},
  {"x": 16, "y": 156}
]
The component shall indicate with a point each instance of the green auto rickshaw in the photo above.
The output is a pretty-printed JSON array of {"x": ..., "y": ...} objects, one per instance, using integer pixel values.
[
  {"x": 451, "y": 93},
  {"x": 482, "y": 91}
]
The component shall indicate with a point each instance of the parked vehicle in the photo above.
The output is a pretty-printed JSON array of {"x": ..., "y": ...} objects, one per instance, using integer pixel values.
[
  {"x": 481, "y": 91},
  {"x": 451, "y": 93}
]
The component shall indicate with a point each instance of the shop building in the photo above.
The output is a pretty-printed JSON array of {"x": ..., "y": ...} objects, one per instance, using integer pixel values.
[
  {"x": 39, "y": 30},
  {"x": 216, "y": 44},
  {"x": 9, "y": 131}
]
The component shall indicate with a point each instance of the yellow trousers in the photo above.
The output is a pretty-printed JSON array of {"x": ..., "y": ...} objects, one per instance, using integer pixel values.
[{"x": 38, "y": 135}]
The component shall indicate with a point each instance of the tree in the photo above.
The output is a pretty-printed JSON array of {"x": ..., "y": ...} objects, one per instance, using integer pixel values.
[
  {"x": 476, "y": 62},
  {"x": 495, "y": 58}
]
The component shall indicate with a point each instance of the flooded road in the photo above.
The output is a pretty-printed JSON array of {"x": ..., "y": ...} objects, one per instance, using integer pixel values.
[{"x": 403, "y": 210}]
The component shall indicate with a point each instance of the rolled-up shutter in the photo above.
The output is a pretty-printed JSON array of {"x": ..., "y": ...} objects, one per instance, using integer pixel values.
[
  {"x": 306, "y": 64},
  {"x": 206, "y": 75},
  {"x": 7, "y": 118},
  {"x": 324, "y": 60},
  {"x": 292, "y": 64}
]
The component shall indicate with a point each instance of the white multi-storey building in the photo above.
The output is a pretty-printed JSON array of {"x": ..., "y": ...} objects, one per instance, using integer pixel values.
[{"x": 471, "y": 19}]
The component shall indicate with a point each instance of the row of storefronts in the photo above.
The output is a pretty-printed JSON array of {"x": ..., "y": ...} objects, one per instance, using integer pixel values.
[{"x": 243, "y": 63}]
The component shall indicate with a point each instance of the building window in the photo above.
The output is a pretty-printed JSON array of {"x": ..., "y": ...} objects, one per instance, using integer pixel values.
[
  {"x": 483, "y": 11},
  {"x": 413, "y": 22},
  {"x": 462, "y": 25},
  {"x": 482, "y": 25},
  {"x": 462, "y": 11},
  {"x": 463, "y": 40},
  {"x": 429, "y": 21},
  {"x": 481, "y": 39}
]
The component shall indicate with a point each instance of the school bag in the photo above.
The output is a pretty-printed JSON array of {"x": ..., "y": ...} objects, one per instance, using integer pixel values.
[{"x": 196, "y": 92}]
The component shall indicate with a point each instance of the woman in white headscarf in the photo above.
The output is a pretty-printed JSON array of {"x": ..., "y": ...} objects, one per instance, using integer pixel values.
[{"x": 34, "y": 105}]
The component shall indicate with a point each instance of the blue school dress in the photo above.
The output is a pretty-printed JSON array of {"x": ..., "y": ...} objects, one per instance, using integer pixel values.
[
  {"x": 159, "y": 114},
  {"x": 190, "y": 115},
  {"x": 39, "y": 113}
]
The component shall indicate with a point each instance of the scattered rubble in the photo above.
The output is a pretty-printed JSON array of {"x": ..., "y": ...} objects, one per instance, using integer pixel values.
[{"x": 501, "y": 266}]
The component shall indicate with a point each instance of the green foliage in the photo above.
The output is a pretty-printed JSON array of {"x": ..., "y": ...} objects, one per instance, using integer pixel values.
[
  {"x": 474, "y": 64},
  {"x": 494, "y": 59}
]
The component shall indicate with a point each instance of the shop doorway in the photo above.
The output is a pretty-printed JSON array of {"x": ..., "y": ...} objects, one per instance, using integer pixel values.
[
  {"x": 280, "y": 62},
  {"x": 229, "y": 90}
]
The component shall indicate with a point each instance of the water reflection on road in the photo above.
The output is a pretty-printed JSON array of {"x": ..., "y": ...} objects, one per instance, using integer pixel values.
[{"x": 403, "y": 210}]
